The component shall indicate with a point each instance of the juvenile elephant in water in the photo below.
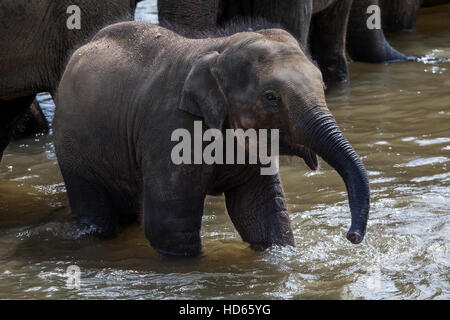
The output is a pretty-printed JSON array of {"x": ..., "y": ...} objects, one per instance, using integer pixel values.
[
  {"x": 125, "y": 93},
  {"x": 35, "y": 45},
  {"x": 326, "y": 27}
]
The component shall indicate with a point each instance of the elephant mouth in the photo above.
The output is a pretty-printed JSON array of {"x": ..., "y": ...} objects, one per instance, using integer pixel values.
[{"x": 309, "y": 156}]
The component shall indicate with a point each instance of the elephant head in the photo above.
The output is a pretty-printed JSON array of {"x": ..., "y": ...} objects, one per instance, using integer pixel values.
[{"x": 264, "y": 80}]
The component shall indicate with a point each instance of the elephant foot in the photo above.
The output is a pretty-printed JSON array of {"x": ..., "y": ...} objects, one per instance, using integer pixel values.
[
  {"x": 334, "y": 73},
  {"x": 392, "y": 56},
  {"x": 404, "y": 58},
  {"x": 383, "y": 54}
]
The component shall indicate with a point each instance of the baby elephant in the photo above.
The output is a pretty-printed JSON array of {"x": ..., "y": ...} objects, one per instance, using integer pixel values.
[{"x": 124, "y": 94}]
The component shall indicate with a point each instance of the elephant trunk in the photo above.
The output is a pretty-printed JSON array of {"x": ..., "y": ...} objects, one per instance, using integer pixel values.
[{"x": 322, "y": 134}]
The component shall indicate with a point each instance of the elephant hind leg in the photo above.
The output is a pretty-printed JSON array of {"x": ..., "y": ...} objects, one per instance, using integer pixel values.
[
  {"x": 11, "y": 111},
  {"x": 32, "y": 122},
  {"x": 91, "y": 205}
]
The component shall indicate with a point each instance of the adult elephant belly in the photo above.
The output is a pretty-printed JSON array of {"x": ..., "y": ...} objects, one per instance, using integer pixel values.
[
  {"x": 319, "y": 5},
  {"x": 432, "y": 3}
]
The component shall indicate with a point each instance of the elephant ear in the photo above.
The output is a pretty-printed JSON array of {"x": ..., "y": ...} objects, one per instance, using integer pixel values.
[{"x": 202, "y": 95}]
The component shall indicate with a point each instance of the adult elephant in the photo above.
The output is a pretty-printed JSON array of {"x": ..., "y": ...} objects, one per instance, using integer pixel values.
[
  {"x": 124, "y": 100},
  {"x": 35, "y": 43},
  {"x": 328, "y": 24}
]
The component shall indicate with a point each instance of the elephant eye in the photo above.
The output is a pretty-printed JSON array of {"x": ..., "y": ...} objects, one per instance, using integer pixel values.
[{"x": 271, "y": 97}]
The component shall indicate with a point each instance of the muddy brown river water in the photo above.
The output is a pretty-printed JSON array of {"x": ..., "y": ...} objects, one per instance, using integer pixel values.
[{"x": 398, "y": 119}]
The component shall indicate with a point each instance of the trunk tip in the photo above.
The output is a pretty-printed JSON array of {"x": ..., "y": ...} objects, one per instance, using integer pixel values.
[{"x": 354, "y": 237}]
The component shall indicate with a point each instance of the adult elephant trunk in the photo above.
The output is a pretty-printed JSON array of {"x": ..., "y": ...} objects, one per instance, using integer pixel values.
[{"x": 321, "y": 134}]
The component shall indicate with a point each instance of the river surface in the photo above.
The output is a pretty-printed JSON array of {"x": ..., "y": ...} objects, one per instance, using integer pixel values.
[{"x": 398, "y": 119}]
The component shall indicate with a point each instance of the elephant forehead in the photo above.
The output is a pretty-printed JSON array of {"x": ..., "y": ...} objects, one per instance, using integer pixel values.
[
  {"x": 298, "y": 71},
  {"x": 264, "y": 56},
  {"x": 269, "y": 51}
]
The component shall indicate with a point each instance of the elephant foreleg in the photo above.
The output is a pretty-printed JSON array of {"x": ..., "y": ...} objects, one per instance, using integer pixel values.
[
  {"x": 329, "y": 29},
  {"x": 258, "y": 211},
  {"x": 10, "y": 113},
  {"x": 173, "y": 217},
  {"x": 369, "y": 45}
]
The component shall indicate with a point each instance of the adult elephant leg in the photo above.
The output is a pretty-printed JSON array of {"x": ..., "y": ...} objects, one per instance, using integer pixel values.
[
  {"x": 258, "y": 211},
  {"x": 369, "y": 45},
  {"x": 399, "y": 15},
  {"x": 328, "y": 36},
  {"x": 10, "y": 113},
  {"x": 32, "y": 122}
]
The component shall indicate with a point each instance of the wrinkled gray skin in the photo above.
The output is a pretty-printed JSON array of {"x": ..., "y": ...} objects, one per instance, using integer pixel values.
[
  {"x": 123, "y": 94},
  {"x": 35, "y": 45},
  {"x": 325, "y": 23}
]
